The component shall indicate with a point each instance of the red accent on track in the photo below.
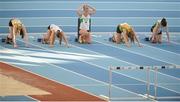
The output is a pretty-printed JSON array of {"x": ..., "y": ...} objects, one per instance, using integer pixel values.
[{"x": 59, "y": 92}]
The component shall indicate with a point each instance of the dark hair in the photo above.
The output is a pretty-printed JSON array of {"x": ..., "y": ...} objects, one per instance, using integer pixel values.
[
  {"x": 163, "y": 22},
  {"x": 49, "y": 27},
  {"x": 10, "y": 23}
]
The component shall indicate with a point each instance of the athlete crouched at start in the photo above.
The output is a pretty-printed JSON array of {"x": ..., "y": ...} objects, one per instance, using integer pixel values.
[
  {"x": 53, "y": 31},
  {"x": 16, "y": 27},
  {"x": 124, "y": 34}
]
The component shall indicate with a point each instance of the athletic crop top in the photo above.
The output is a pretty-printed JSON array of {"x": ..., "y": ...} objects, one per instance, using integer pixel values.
[
  {"x": 55, "y": 28},
  {"x": 125, "y": 26},
  {"x": 84, "y": 22},
  {"x": 161, "y": 28}
]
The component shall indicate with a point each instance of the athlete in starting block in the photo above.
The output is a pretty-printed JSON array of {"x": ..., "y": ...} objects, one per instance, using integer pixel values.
[
  {"x": 16, "y": 27},
  {"x": 125, "y": 33},
  {"x": 53, "y": 31}
]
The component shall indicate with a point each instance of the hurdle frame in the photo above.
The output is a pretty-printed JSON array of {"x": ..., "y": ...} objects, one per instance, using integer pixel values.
[{"x": 148, "y": 69}]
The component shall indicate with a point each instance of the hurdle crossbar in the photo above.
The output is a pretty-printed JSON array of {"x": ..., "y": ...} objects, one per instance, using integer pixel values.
[
  {"x": 144, "y": 67},
  {"x": 148, "y": 68}
]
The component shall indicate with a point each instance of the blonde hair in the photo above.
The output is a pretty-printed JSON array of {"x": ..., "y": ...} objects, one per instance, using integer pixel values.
[
  {"x": 85, "y": 6},
  {"x": 17, "y": 24}
]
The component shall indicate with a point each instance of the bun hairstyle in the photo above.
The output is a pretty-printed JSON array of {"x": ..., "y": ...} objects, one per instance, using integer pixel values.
[{"x": 164, "y": 22}]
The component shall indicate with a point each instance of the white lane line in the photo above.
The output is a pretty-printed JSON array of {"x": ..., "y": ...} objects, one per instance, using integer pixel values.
[
  {"x": 120, "y": 9},
  {"x": 175, "y": 43},
  {"x": 137, "y": 53},
  {"x": 143, "y": 55},
  {"x": 99, "y": 25},
  {"x": 106, "y": 2},
  {"x": 106, "y": 68},
  {"x": 45, "y": 17},
  {"x": 70, "y": 72},
  {"x": 161, "y": 49}
]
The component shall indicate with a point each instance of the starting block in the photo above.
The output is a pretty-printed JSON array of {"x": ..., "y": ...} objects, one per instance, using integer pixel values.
[
  {"x": 3, "y": 40},
  {"x": 6, "y": 40},
  {"x": 42, "y": 41},
  {"x": 146, "y": 39},
  {"x": 39, "y": 40},
  {"x": 110, "y": 39},
  {"x": 76, "y": 40}
]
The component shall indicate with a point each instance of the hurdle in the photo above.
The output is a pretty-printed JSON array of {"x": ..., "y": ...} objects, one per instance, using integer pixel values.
[{"x": 147, "y": 68}]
